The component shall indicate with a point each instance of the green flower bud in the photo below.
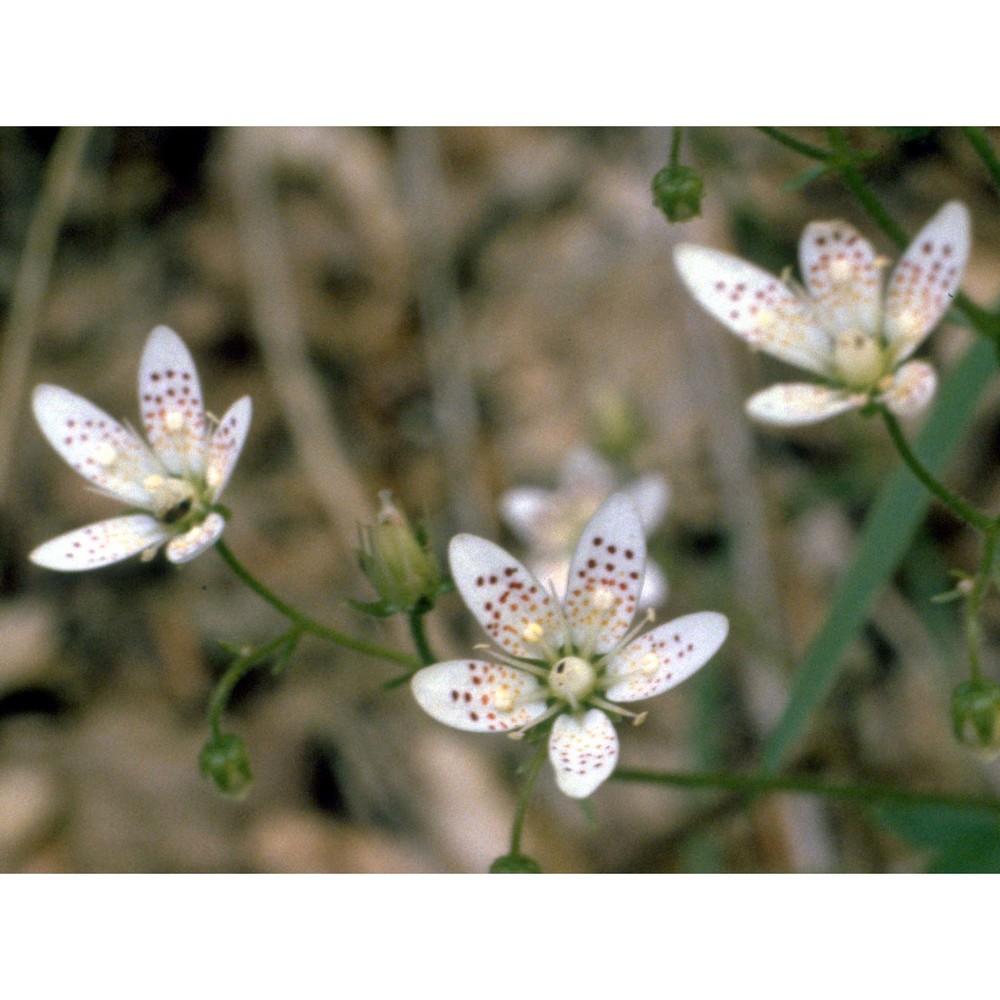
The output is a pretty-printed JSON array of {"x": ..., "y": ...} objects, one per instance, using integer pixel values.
[
  {"x": 975, "y": 711},
  {"x": 616, "y": 427},
  {"x": 398, "y": 563},
  {"x": 677, "y": 191},
  {"x": 515, "y": 864},
  {"x": 224, "y": 762}
]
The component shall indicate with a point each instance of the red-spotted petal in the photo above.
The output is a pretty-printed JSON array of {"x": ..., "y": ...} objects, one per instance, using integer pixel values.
[
  {"x": 756, "y": 306},
  {"x": 101, "y": 544},
  {"x": 517, "y": 612},
  {"x": 583, "y": 752},
  {"x": 843, "y": 276},
  {"x": 170, "y": 403},
  {"x": 667, "y": 655},
  {"x": 912, "y": 389},
  {"x": 478, "y": 696},
  {"x": 795, "y": 403},
  {"x": 226, "y": 444},
  {"x": 926, "y": 278},
  {"x": 109, "y": 455},
  {"x": 605, "y": 577},
  {"x": 196, "y": 540}
]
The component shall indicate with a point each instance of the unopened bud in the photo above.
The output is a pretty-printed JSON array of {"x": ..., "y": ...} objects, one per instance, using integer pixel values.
[
  {"x": 224, "y": 762},
  {"x": 677, "y": 191},
  {"x": 399, "y": 565},
  {"x": 615, "y": 423},
  {"x": 975, "y": 713},
  {"x": 515, "y": 864}
]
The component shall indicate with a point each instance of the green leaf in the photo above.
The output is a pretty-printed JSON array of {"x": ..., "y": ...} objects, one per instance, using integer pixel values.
[
  {"x": 889, "y": 530},
  {"x": 806, "y": 177},
  {"x": 960, "y": 840}
]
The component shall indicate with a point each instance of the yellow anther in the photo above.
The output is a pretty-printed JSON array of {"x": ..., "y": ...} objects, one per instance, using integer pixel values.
[
  {"x": 174, "y": 420},
  {"x": 153, "y": 482},
  {"x": 533, "y": 632},
  {"x": 649, "y": 664},
  {"x": 765, "y": 319},
  {"x": 603, "y": 600},
  {"x": 104, "y": 454},
  {"x": 503, "y": 699},
  {"x": 841, "y": 270}
]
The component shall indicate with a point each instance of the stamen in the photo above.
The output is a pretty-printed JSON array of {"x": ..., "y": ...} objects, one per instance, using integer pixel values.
[
  {"x": 532, "y": 632},
  {"x": 174, "y": 420},
  {"x": 499, "y": 656},
  {"x": 610, "y": 706},
  {"x": 840, "y": 270},
  {"x": 105, "y": 455}
]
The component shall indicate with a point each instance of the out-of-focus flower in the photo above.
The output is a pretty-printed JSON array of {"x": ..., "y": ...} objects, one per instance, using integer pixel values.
[
  {"x": 838, "y": 326},
  {"x": 568, "y": 660},
  {"x": 174, "y": 481},
  {"x": 549, "y": 522}
]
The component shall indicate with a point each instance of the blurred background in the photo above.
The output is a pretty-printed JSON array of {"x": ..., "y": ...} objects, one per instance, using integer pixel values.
[{"x": 448, "y": 313}]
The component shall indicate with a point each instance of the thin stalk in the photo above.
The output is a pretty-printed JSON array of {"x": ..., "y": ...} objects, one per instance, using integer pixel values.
[
  {"x": 307, "y": 624},
  {"x": 959, "y": 507},
  {"x": 756, "y": 784},
  {"x": 675, "y": 145},
  {"x": 813, "y": 152},
  {"x": 521, "y": 808},
  {"x": 975, "y": 599},
  {"x": 982, "y": 145},
  {"x": 419, "y": 636}
]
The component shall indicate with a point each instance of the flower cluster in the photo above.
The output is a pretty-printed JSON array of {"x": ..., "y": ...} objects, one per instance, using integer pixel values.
[
  {"x": 174, "y": 482},
  {"x": 571, "y": 660},
  {"x": 549, "y": 522},
  {"x": 838, "y": 326}
]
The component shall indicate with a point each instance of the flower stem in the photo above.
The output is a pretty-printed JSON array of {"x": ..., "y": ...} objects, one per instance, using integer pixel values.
[
  {"x": 975, "y": 599},
  {"x": 756, "y": 784},
  {"x": 791, "y": 142},
  {"x": 307, "y": 624},
  {"x": 983, "y": 146},
  {"x": 675, "y": 145},
  {"x": 520, "y": 810},
  {"x": 419, "y": 636},
  {"x": 962, "y": 510}
]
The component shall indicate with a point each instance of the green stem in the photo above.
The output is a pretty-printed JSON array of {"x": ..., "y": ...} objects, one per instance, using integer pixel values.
[
  {"x": 307, "y": 624},
  {"x": 521, "y": 808},
  {"x": 962, "y": 510},
  {"x": 675, "y": 145},
  {"x": 756, "y": 784},
  {"x": 975, "y": 599},
  {"x": 419, "y": 636},
  {"x": 982, "y": 145},
  {"x": 792, "y": 143},
  {"x": 240, "y": 667}
]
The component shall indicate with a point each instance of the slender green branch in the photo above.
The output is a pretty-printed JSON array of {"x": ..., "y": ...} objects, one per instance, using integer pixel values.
[
  {"x": 757, "y": 784},
  {"x": 795, "y": 144},
  {"x": 959, "y": 507},
  {"x": 307, "y": 624},
  {"x": 419, "y": 636},
  {"x": 675, "y": 145},
  {"x": 982, "y": 145},
  {"x": 974, "y": 600},
  {"x": 240, "y": 667},
  {"x": 520, "y": 810}
]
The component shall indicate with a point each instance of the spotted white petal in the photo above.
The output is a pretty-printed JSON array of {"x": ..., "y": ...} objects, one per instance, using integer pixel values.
[
  {"x": 110, "y": 456},
  {"x": 755, "y": 305},
  {"x": 226, "y": 444},
  {"x": 101, "y": 544},
  {"x": 650, "y": 495},
  {"x": 843, "y": 276},
  {"x": 516, "y": 611},
  {"x": 654, "y": 587},
  {"x": 583, "y": 751},
  {"x": 662, "y": 658},
  {"x": 478, "y": 696},
  {"x": 171, "y": 404},
  {"x": 926, "y": 279},
  {"x": 605, "y": 577},
  {"x": 912, "y": 389},
  {"x": 524, "y": 508},
  {"x": 184, "y": 548},
  {"x": 794, "y": 403}
]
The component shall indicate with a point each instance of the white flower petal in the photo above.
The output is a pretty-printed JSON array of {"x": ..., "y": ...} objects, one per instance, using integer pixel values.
[
  {"x": 477, "y": 696},
  {"x": 101, "y": 544},
  {"x": 840, "y": 270},
  {"x": 912, "y": 389},
  {"x": 111, "y": 456},
  {"x": 516, "y": 611},
  {"x": 192, "y": 543},
  {"x": 654, "y": 587},
  {"x": 796, "y": 403},
  {"x": 226, "y": 444},
  {"x": 667, "y": 655},
  {"x": 583, "y": 752},
  {"x": 926, "y": 278},
  {"x": 170, "y": 403},
  {"x": 755, "y": 305},
  {"x": 605, "y": 577}
]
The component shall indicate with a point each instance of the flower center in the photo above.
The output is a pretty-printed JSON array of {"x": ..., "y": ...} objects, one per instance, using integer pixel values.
[
  {"x": 858, "y": 358},
  {"x": 572, "y": 679},
  {"x": 172, "y": 498}
]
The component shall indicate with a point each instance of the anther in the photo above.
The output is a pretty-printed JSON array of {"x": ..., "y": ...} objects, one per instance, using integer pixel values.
[
  {"x": 649, "y": 664},
  {"x": 840, "y": 270},
  {"x": 503, "y": 699},
  {"x": 174, "y": 420},
  {"x": 533, "y": 632},
  {"x": 104, "y": 454}
]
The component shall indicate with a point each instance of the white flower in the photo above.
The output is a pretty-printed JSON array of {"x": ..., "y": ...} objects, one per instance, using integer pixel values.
[
  {"x": 175, "y": 484},
  {"x": 838, "y": 327},
  {"x": 572, "y": 659},
  {"x": 549, "y": 522}
]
